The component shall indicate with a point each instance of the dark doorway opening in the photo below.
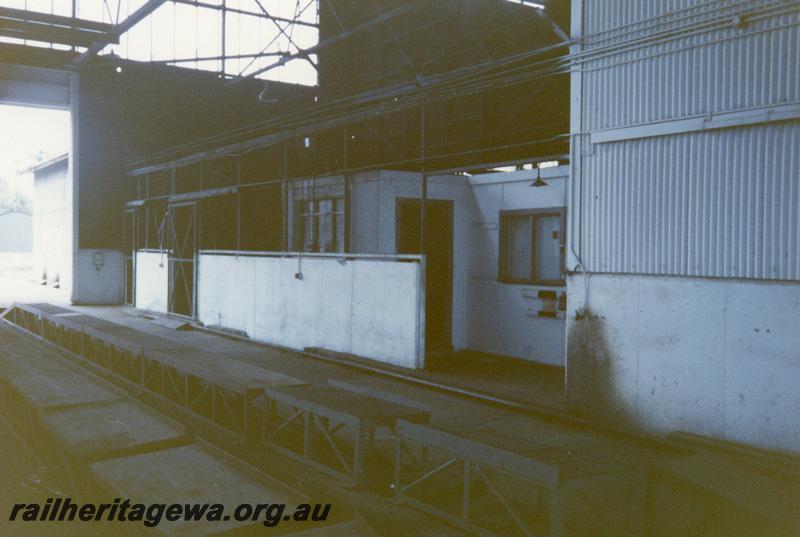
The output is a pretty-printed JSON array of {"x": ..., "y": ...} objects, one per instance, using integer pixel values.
[
  {"x": 438, "y": 263},
  {"x": 129, "y": 243},
  {"x": 182, "y": 244}
]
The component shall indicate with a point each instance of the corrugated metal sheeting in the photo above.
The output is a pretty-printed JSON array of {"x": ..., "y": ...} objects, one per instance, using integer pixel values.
[
  {"x": 606, "y": 18},
  {"x": 721, "y": 203},
  {"x": 716, "y": 71}
]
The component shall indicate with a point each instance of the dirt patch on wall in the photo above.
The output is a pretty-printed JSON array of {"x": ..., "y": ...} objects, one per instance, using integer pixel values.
[{"x": 592, "y": 390}]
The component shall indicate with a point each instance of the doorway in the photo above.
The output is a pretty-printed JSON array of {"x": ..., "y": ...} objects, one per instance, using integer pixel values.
[
  {"x": 438, "y": 253},
  {"x": 129, "y": 243},
  {"x": 182, "y": 247}
]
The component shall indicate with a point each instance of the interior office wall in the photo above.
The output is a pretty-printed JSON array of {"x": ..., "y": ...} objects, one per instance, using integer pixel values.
[
  {"x": 373, "y": 228},
  {"x": 503, "y": 317}
]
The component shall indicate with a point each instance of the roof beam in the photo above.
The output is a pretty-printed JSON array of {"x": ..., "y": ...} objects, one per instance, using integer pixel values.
[
  {"x": 63, "y": 35},
  {"x": 260, "y": 15},
  {"x": 50, "y": 28},
  {"x": 57, "y": 20},
  {"x": 119, "y": 29}
]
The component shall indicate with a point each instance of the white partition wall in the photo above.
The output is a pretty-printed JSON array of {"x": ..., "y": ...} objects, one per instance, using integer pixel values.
[
  {"x": 368, "y": 306},
  {"x": 152, "y": 281},
  {"x": 503, "y": 316}
]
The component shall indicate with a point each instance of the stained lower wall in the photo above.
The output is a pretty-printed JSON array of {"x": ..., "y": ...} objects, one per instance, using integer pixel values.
[{"x": 714, "y": 357}]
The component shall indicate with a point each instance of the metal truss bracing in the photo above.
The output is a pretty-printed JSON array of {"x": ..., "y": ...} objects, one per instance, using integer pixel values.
[
  {"x": 344, "y": 133},
  {"x": 239, "y": 38},
  {"x": 330, "y": 428},
  {"x": 120, "y": 28},
  {"x": 519, "y": 489},
  {"x": 344, "y": 34}
]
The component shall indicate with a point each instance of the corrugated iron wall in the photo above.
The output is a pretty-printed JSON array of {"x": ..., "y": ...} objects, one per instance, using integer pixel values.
[
  {"x": 712, "y": 203},
  {"x": 719, "y": 203}
]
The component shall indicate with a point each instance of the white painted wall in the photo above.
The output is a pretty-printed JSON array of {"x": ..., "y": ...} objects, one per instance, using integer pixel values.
[
  {"x": 502, "y": 317},
  {"x": 52, "y": 224},
  {"x": 364, "y": 307},
  {"x": 684, "y": 213},
  {"x": 488, "y": 316},
  {"x": 373, "y": 228},
  {"x": 715, "y": 357},
  {"x": 16, "y": 232},
  {"x": 95, "y": 283},
  {"x": 152, "y": 281}
]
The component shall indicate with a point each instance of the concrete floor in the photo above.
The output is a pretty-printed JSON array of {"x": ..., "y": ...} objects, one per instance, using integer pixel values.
[
  {"x": 526, "y": 383},
  {"x": 25, "y": 480},
  {"x": 16, "y": 285}
]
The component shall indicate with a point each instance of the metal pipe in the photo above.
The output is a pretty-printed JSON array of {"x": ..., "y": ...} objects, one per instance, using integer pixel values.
[
  {"x": 284, "y": 199},
  {"x": 224, "y": 31},
  {"x": 424, "y": 185},
  {"x": 347, "y": 200},
  {"x": 238, "y": 205}
]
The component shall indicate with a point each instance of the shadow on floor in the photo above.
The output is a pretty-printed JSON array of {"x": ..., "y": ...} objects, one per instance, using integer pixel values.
[{"x": 499, "y": 376}]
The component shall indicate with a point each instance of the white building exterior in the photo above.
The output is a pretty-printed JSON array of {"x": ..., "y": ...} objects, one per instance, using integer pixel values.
[
  {"x": 52, "y": 223},
  {"x": 684, "y": 208}
]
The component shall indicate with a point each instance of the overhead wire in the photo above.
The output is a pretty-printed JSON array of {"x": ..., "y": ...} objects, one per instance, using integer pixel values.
[{"x": 477, "y": 78}]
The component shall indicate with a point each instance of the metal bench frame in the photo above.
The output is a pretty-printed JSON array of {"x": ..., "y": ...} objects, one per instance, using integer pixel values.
[{"x": 318, "y": 421}]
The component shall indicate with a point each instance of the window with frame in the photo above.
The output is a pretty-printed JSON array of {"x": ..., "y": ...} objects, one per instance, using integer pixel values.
[
  {"x": 531, "y": 247},
  {"x": 319, "y": 225}
]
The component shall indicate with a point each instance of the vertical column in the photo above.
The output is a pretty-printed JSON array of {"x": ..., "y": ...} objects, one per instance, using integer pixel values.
[
  {"x": 284, "y": 200},
  {"x": 222, "y": 44},
  {"x": 238, "y": 203},
  {"x": 347, "y": 201},
  {"x": 424, "y": 194}
]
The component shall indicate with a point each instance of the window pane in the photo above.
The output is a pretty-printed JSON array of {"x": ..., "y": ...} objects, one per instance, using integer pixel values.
[
  {"x": 319, "y": 226},
  {"x": 548, "y": 248},
  {"x": 339, "y": 219},
  {"x": 326, "y": 226},
  {"x": 301, "y": 229},
  {"x": 518, "y": 248}
]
